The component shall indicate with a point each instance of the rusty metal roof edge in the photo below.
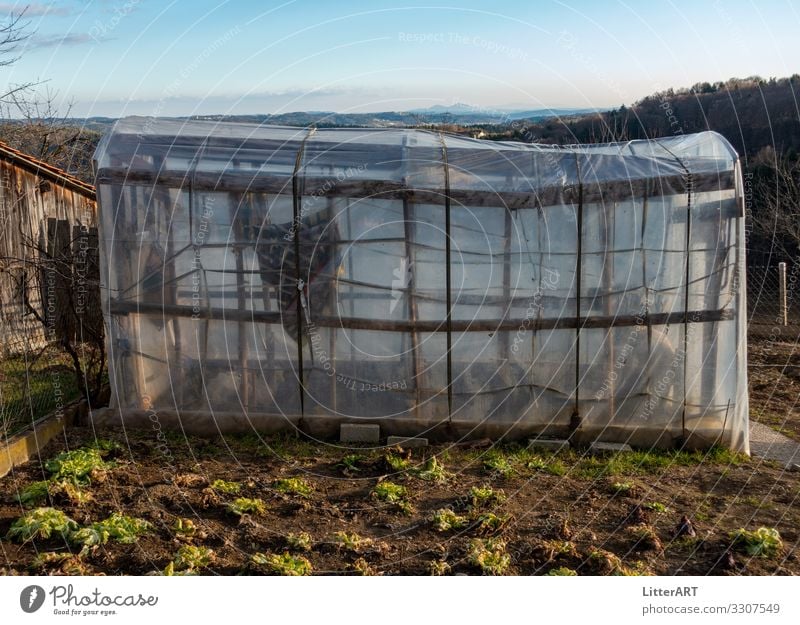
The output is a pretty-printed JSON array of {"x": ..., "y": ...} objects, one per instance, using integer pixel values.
[{"x": 40, "y": 168}]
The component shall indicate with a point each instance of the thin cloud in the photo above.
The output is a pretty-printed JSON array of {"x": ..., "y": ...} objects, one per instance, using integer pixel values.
[
  {"x": 54, "y": 41},
  {"x": 33, "y": 9}
]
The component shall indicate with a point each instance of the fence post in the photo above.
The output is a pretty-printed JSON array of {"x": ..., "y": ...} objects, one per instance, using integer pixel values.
[{"x": 782, "y": 294}]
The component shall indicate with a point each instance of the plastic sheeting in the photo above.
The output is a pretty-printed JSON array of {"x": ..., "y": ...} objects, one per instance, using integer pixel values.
[{"x": 259, "y": 276}]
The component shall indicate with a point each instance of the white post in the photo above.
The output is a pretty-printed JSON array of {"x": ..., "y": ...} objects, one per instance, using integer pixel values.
[{"x": 782, "y": 293}]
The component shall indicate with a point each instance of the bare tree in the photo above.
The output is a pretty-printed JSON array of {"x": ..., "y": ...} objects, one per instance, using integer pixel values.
[{"x": 776, "y": 201}]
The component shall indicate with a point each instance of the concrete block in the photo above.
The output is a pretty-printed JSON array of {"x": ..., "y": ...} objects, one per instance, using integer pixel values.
[
  {"x": 414, "y": 442},
  {"x": 606, "y": 448},
  {"x": 548, "y": 444},
  {"x": 359, "y": 433}
]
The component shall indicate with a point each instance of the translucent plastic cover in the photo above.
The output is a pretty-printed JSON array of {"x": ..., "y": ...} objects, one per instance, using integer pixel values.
[{"x": 259, "y": 276}]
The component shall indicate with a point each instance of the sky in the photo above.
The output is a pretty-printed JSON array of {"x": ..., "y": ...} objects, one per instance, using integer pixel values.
[{"x": 192, "y": 57}]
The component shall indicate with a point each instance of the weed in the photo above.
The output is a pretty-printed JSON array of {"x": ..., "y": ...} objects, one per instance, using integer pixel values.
[
  {"x": 190, "y": 559},
  {"x": 491, "y": 523},
  {"x": 445, "y": 520},
  {"x": 78, "y": 465},
  {"x": 351, "y": 542},
  {"x": 229, "y": 488},
  {"x": 764, "y": 542},
  {"x": 561, "y": 571},
  {"x": 41, "y": 523},
  {"x": 432, "y": 471},
  {"x": 438, "y": 568},
  {"x": 245, "y": 505},
  {"x": 299, "y": 542},
  {"x": 285, "y": 564},
  {"x": 489, "y": 555},
  {"x": 34, "y": 493},
  {"x": 484, "y": 496},
  {"x": 556, "y": 467},
  {"x": 293, "y": 486}
]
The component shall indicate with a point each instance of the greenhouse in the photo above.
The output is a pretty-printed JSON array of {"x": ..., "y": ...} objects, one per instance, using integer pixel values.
[{"x": 265, "y": 278}]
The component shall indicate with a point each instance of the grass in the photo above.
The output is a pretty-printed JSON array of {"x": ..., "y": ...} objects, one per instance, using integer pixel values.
[
  {"x": 42, "y": 523},
  {"x": 28, "y": 388},
  {"x": 765, "y": 542},
  {"x": 245, "y": 505},
  {"x": 445, "y": 520},
  {"x": 228, "y": 488},
  {"x": 293, "y": 486},
  {"x": 489, "y": 555},
  {"x": 284, "y": 564}
]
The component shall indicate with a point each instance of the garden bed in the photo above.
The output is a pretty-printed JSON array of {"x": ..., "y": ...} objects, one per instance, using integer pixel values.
[{"x": 285, "y": 505}]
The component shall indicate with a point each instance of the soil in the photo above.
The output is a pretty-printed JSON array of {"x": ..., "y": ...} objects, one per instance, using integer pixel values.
[
  {"x": 774, "y": 378},
  {"x": 577, "y": 513}
]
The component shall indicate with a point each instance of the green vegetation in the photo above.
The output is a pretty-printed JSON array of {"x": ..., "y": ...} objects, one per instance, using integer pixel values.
[
  {"x": 285, "y": 564},
  {"x": 396, "y": 494},
  {"x": 351, "y": 542},
  {"x": 293, "y": 486},
  {"x": 118, "y": 527},
  {"x": 655, "y": 506},
  {"x": 78, "y": 465},
  {"x": 438, "y": 568},
  {"x": 562, "y": 571},
  {"x": 397, "y": 463},
  {"x": 228, "y": 488},
  {"x": 245, "y": 505},
  {"x": 362, "y": 567},
  {"x": 189, "y": 560},
  {"x": 764, "y": 542},
  {"x": 34, "y": 493},
  {"x": 490, "y": 523},
  {"x": 301, "y": 541},
  {"x": 621, "y": 488},
  {"x": 445, "y": 520},
  {"x": 485, "y": 496},
  {"x": 41, "y": 523},
  {"x": 497, "y": 462},
  {"x": 432, "y": 471},
  {"x": 184, "y": 528},
  {"x": 351, "y": 462},
  {"x": 489, "y": 555}
]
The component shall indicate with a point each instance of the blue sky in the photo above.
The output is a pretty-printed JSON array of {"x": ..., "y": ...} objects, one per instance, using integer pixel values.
[{"x": 180, "y": 57}]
